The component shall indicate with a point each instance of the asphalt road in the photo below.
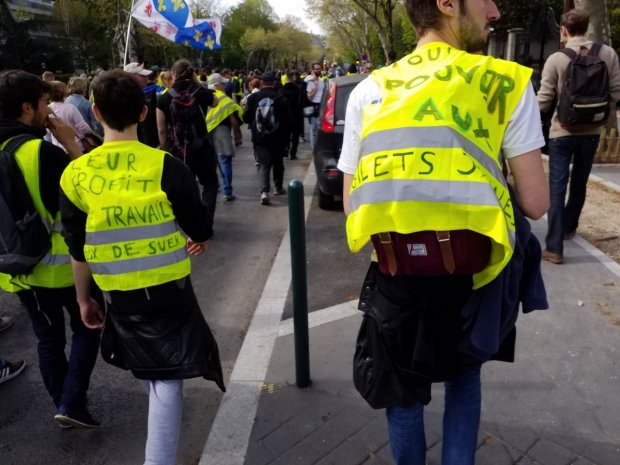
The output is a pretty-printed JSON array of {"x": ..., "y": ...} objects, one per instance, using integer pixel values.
[{"x": 228, "y": 281}]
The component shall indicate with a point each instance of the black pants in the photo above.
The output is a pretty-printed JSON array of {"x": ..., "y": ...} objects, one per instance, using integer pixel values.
[
  {"x": 66, "y": 381},
  {"x": 268, "y": 158},
  {"x": 202, "y": 162}
]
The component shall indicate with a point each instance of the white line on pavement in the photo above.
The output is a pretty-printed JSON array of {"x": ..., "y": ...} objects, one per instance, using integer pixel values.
[
  {"x": 230, "y": 433},
  {"x": 323, "y": 316}
]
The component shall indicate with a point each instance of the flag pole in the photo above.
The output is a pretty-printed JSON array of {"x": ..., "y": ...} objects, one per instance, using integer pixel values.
[{"x": 128, "y": 32}]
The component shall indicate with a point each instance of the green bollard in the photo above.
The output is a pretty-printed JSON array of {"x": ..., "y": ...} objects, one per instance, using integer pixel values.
[{"x": 297, "y": 227}]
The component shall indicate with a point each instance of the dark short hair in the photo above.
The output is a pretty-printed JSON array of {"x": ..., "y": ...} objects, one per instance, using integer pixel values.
[
  {"x": 18, "y": 87},
  {"x": 576, "y": 21},
  {"x": 183, "y": 69},
  {"x": 119, "y": 98},
  {"x": 425, "y": 15}
]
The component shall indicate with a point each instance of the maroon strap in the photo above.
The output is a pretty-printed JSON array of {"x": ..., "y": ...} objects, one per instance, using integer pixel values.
[
  {"x": 388, "y": 249},
  {"x": 443, "y": 237}
]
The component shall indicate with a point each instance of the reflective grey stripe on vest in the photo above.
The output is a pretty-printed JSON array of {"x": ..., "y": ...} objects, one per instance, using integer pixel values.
[
  {"x": 218, "y": 112},
  {"x": 396, "y": 190},
  {"x": 458, "y": 192},
  {"x": 57, "y": 226},
  {"x": 150, "y": 231},
  {"x": 427, "y": 137},
  {"x": 56, "y": 259},
  {"x": 117, "y": 267}
]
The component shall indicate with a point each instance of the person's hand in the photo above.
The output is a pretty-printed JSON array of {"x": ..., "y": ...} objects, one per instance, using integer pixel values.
[
  {"x": 196, "y": 248},
  {"x": 60, "y": 130},
  {"x": 92, "y": 314}
]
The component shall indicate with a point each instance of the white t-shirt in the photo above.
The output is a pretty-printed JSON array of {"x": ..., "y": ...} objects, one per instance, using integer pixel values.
[
  {"x": 311, "y": 83},
  {"x": 523, "y": 133}
]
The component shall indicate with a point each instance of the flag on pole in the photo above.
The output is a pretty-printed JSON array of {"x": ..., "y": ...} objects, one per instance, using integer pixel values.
[
  {"x": 201, "y": 36},
  {"x": 175, "y": 11},
  {"x": 158, "y": 16}
]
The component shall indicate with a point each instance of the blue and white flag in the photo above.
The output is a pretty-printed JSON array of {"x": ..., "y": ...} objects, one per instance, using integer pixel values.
[
  {"x": 200, "y": 36},
  {"x": 175, "y": 11},
  {"x": 201, "y": 33}
]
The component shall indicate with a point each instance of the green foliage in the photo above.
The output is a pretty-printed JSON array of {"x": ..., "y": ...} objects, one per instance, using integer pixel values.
[
  {"x": 527, "y": 15},
  {"x": 613, "y": 8},
  {"x": 248, "y": 14}
]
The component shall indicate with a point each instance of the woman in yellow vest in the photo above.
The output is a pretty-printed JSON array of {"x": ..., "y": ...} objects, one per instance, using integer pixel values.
[
  {"x": 423, "y": 149},
  {"x": 220, "y": 120},
  {"x": 123, "y": 207}
]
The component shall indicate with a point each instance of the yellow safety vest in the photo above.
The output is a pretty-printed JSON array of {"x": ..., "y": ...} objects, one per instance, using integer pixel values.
[
  {"x": 223, "y": 110},
  {"x": 430, "y": 150},
  {"x": 54, "y": 269},
  {"x": 239, "y": 82},
  {"x": 132, "y": 237}
]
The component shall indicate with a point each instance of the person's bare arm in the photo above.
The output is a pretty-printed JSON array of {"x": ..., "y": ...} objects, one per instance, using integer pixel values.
[
  {"x": 346, "y": 187},
  {"x": 530, "y": 184},
  {"x": 90, "y": 311}
]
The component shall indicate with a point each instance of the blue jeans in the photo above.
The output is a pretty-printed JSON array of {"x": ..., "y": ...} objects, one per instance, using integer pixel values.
[
  {"x": 225, "y": 162},
  {"x": 461, "y": 420},
  {"x": 564, "y": 218},
  {"x": 66, "y": 381},
  {"x": 314, "y": 123}
]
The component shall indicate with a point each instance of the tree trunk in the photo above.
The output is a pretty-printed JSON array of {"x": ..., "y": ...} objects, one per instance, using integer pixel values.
[{"x": 599, "y": 30}]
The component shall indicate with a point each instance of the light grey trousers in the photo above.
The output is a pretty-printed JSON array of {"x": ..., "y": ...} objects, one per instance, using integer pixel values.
[{"x": 164, "y": 425}]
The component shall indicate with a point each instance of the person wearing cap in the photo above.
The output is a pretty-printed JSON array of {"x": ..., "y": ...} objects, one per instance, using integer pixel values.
[
  {"x": 269, "y": 149},
  {"x": 147, "y": 128},
  {"x": 220, "y": 120}
]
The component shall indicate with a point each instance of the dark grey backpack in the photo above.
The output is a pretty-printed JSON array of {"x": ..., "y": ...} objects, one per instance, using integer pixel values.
[
  {"x": 24, "y": 238},
  {"x": 584, "y": 100}
]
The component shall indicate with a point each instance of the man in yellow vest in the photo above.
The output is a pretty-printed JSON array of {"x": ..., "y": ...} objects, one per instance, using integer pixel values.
[
  {"x": 125, "y": 208},
  {"x": 47, "y": 291},
  {"x": 220, "y": 120},
  {"x": 423, "y": 147}
]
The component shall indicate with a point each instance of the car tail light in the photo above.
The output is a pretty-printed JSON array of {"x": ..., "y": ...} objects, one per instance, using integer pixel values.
[{"x": 327, "y": 124}]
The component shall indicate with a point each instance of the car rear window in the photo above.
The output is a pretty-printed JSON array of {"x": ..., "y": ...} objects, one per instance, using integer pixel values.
[{"x": 342, "y": 97}]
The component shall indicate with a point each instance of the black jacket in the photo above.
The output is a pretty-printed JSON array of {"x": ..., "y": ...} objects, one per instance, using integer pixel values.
[{"x": 282, "y": 114}]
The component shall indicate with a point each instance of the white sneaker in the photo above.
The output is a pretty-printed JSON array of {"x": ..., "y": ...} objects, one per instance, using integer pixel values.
[{"x": 264, "y": 198}]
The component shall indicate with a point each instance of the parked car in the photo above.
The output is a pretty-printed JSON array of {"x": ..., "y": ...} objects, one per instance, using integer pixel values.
[{"x": 329, "y": 138}]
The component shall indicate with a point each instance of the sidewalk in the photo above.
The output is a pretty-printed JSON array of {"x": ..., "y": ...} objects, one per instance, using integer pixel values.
[{"x": 556, "y": 405}]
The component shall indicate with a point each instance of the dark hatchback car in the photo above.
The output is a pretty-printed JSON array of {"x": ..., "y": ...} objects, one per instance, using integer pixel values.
[{"x": 329, "y": 138}]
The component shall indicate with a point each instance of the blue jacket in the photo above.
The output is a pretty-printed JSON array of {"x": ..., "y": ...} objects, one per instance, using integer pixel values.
[{"x": 491, "y": 311}]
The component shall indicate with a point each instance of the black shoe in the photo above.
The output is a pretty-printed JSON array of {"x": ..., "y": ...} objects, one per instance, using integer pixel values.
[
  {"x": 10, "y": 370},
  {"x": 293, "y": 157},
  {"x": 279, "y": 191},
  {"x": 80, "y": 418}
]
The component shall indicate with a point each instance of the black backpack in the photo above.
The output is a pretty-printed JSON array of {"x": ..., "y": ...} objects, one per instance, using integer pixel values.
[
  {"x": 189, "y": 128},
  {"x": 265, "y": 117},
  {"x": 584, "y": 100},
  {"x": 24, "y": 238}
]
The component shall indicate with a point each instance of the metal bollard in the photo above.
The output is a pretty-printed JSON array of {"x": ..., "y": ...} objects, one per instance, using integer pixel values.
[{"x": 297, "y": 227}]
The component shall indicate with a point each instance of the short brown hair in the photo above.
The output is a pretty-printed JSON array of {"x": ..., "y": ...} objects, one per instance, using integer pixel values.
[
  {"x": 576, "y": 22},
  {"x": 425, "y": 15},
  {"x": 59, "y": 91},
  {"x": 119, "y": 98}
]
